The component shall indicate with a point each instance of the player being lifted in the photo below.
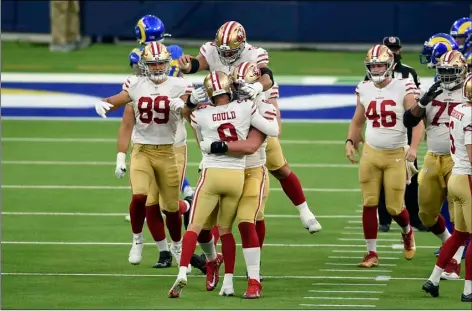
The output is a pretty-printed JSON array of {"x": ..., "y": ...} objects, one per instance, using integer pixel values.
[
  {"x": 153, "y": 156},
  {"x": 460, "y": 190},
  {"x": 381, "y": 102},
  {"x": 228, "y": 50},
  {"x": 434, "y": 108},
  {"x": 221, "y": 180}
]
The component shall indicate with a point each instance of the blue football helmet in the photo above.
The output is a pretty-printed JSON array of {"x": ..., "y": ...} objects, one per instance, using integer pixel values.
[
  {"x": 467, "y": 45},
  {"x": 461, "y": 29},
  {"x": 468, "y": 58},
  {"x": 135, "y": 56},
  {"x": 175, "y": 52},
  {"x": 150, "y": 28},
  {"x": 436, "y": 46}
]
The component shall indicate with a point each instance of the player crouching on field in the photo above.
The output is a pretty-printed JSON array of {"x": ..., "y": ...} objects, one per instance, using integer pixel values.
[
  {"x": 385, "y": 155},
  {"x": 460, "y": 189},
  {"x": 222, "y": 178},
  {"x": 256, "y": 183}
]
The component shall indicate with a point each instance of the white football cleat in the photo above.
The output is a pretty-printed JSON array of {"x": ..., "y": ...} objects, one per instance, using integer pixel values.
[
  {"x": 176, "y": 289},
  {"x": 136, "y": 252},
  {"x": 189, "y": 269},
  {"x": 128, "y": 218},
  {"x": 309, "y": 222},
  {"x": 176, "y": 250},
  {"x": 226, "y": 291}
]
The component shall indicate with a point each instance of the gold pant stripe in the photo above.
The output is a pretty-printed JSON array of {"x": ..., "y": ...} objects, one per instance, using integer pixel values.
[
  {"x": 200, "y": 182},
  {"x": 184, "y": 170},
  {"x": 261, "y": 194}
]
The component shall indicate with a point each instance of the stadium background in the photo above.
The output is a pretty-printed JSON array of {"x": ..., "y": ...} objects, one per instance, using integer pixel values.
[{"x": 64, "y": 244}]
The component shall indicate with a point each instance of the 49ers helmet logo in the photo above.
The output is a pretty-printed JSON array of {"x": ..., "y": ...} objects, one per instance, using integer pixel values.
[{"x": 240, "y": 35}]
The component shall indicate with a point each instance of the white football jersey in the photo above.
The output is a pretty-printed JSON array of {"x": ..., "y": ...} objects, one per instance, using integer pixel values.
[
  {"x": 250, "y": 54},
  {"x": 273, "y": 92},
  {"x": 269, "y": 112},
  {"x": 156, "y": 123},
  {"x": 461, "y": 135},
  {"x": 437, "y": 120},
  {"x": 384, "y": 112}
]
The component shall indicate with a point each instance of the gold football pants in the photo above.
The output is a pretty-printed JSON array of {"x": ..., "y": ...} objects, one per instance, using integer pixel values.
[
  {"x": 252, "y": 197},
  {"x": 274, "y": 154},
  {"x": 460, "y": 192}
]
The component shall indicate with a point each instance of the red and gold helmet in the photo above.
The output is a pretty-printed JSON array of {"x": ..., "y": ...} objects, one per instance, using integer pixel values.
[
  {"x": 377, "y": 57},
  {"x": 218, "y": 83},
  {"x": 451, "y": 69},
  {"x": 245, "y": 72},
  {"x": 155, "y": 61},
  {"x": 230, "y": 41},
  {"x": 467, "y": 89}
]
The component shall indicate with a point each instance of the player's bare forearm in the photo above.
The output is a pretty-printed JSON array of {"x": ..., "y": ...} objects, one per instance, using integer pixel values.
[
  {"x": 417, "y": 111},
  {"x": 118, "y": 100},
  {"x": 469, "y": 152},
  {"x": 196, "y": 136},
  {"x": 357, "y": 123},
  {"x": 417, "y": 135},
  {"x": 125, "y": 130},
  {"x": 248, "y": 146}
]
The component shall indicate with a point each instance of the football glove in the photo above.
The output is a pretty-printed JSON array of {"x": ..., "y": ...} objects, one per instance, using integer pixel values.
[
  {"x": 198, "y": 95},
  {"x": 120, "y": 169},
  {"x": 252, "y": 89},
  {"x": 102, "y": 108},
  {"x": 431, "y": 94}
]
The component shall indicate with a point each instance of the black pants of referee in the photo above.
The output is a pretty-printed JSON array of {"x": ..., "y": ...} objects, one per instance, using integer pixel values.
[{"x": 411, "y": 202}]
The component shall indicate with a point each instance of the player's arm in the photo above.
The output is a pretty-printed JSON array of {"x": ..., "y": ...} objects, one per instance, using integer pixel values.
[
  {"x": 417, "y": 112},
  {"x": 354, "y": 135},
  {"x": 124, "y": 136},
  {"x": 189, "y": 64},
  {"x": 275, "y": 103},
  {"x": 238, "y": 148},
  {"x": 267, "y": 126},
  {"x": 417, "y": 133},
  {"x": 196, "y": 132},
  {"x": 468, "y": 141}
]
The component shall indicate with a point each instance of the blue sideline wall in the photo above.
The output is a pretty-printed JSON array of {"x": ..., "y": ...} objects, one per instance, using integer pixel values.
[{"x": 284, "y": 21}]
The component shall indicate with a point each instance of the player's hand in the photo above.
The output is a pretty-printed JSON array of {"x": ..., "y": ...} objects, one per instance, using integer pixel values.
[
  {"x": 102, "y": 108},
  {"x": 176, "y": 104},
  {"x": 205, "y": 146},
  {"x": 351, "y": 152},
  {"x": 431, "y": 94},
  {"x": 410, "y": 155},
  {"x": 120, "y": 169},
  {"x": 185, "y": 62},
  {"x": 199, "y": 95},
  {"x": 252, "y": 89}
]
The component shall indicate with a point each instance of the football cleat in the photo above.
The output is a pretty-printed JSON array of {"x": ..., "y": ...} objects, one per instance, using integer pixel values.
[
  {"x": 176, "y": 251},
  {"x": 409, "y": 247},
  {"x": 212, "y": 275},
  {"x": 165, "y": 260},
  {"x": 198, "y": 262},
  {"x": 226, "y": 291},
  {"x": 370, "y": 260},
  {"x": 384, "y": 228},
  {"x": 309, "y": 222},
  {"x": 452, "y": 270},
  {"x": 254, "y": 290},
  {"x": 176, "y": 289},
  {"x": 466, "y": 298},
  {"x": 431, "y": 289},
  {"x": 136, "y": 252}
]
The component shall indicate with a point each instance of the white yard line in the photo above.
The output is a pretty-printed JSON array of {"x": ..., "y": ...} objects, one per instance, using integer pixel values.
[
  {"x": 341, "y": 298},
  {"x": 79, "y": 187},
  {"x": 364, "y": 251},
  {"x": 355, "y": 221},
  {"x": 346, "y": 291},
  {"x": 354, "y": 264},
  {"x": 356, "y": 270},
  {"x": 348, "y": 284},
  {"x": 378, "y": 240},
  {"x": 362, "y": 233},
  {"x": 349, "y": 257},
  {"x": 337, "y": 306},
  {"x": 113, "y": 140}
]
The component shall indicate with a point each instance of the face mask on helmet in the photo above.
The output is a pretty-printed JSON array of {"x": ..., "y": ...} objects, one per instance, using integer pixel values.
[
  {"x": 229, "y": 56},
  {"x": 157, "y": 71},
  {"x": 449, "y": 77},
  {"x": 378, "y": 72}
]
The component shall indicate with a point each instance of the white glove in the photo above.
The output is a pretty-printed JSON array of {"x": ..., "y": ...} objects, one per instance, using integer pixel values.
[
  {"x": 102, "y": 108},
  {"x": 176, "y": 104},
  {"x": 252, "y": 89},
  {"x": 205, "y": 146},
  {"x": 198, "y": 95},
  {"x": 120, "y": 169}
]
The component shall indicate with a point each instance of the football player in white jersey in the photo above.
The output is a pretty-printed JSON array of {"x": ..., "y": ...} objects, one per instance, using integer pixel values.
[
  {"x": 221, "y": 180},
  {"x": 434, "y": 108},
  {"x": 385, "y": 158},
  {"x": 460, "y": 190},
  {"x": 153, "y": 96},
  {"x": 228, "y": 50}
]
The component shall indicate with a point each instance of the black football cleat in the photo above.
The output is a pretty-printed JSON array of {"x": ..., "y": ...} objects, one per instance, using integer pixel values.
[
  {"x": 431, "y": 289},
  {"x": 384, "y": 228},
  {"x": 198, "y": 262},
  {"x": 165, "y": 260},
  {"x": 466, "y": 298}
]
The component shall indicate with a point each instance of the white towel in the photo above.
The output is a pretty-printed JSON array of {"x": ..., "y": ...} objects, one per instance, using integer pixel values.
[{"x": 411, "y": 170}]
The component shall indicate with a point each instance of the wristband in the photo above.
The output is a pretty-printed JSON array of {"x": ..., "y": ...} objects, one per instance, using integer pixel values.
[
  {"x": 120, "y": 157},
  {"x": 349, "y": 140},
  {"x": 420, "y": 105},
  {"x": 218, "y": 147}
]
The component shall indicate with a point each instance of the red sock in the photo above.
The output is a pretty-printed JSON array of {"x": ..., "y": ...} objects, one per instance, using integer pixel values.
[
  {"x": 468, "y": 262},
  {"x": 450, "y": 247},
  {"x": 369, "y": 222},
  {"x": 189, "y": 244},
  {"x": 174, "y": 225},
  {"x": 261, "y": 231},
  {"x": 248, "y": 233},
  {"x": 183, "y": 207},
  {"x": 228, "y": 248},
  {"x": 155, "y": 222},
  {"x": 204, "y": 236},
  {"x": 216, "y": 234},
  {"x": 439, "y": 227},
  {"x": 293, "y": 189},
  {"x": 137, "y": 212},
  {"x": 402, "y": 219}
]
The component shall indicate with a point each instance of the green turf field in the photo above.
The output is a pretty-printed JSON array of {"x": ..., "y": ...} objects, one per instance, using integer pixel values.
[
  {"x": 103, "y": 58},
  {"x": 65, "y": 240}
]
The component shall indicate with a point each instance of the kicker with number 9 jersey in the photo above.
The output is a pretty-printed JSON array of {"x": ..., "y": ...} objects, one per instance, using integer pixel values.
[
  {"x": 384, "y": 112},
  {"x": 461, "y": 135},
  {"x": 229, "y": 122},
  {"x": 156, "y": 123}
]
